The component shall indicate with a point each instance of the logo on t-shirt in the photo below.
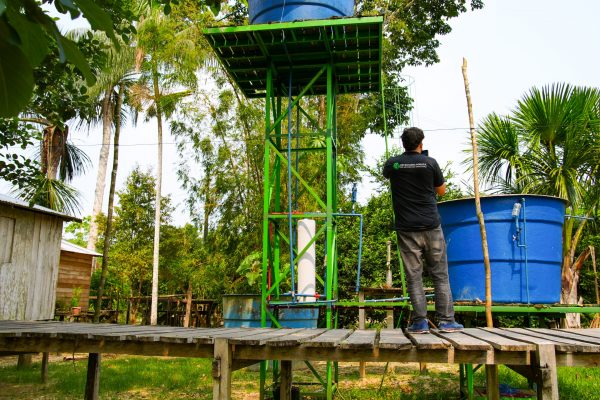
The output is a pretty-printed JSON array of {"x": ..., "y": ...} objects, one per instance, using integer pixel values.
[{"x": 396, "y": 165}]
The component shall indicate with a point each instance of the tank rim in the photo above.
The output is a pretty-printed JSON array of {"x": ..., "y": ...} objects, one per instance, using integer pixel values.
[{"x": 566, "y": 202}]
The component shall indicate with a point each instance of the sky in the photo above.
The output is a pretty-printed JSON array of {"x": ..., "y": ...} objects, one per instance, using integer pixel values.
[{"x": 510, "y": 46}]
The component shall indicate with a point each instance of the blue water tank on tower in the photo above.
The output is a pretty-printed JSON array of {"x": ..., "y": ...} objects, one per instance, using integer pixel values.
[
  {"x": 263, "y": 11},
  {"x": 525, "y": 251}
]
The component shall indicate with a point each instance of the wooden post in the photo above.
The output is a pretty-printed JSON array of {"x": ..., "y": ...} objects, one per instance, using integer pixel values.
[
  {"x": 484, "y": 245},
  {"x": 362, "y": 366},
  {"x": 221, "y": 371},
  {"x": 92, "y": 384},
  {"x": 24, "y": 361},
  {"x": 285, "y": 383},
  {"x": 45, "y": 357},
  {"x": 546, "y": 377},
  {"x": 492, "y": 383}
]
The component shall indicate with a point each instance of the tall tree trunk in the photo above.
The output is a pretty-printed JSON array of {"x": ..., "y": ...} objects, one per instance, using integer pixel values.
[
  {"x": 484, "y": 244},
  {"x": 54, "y": 141},
  {"x": 111, "y": 202},
  {"x": 570, "y": 281},
  {"x": 107, "y": 122},
  {"x": 571, "y": 269},
  {"x": 208, "y": 207},
  {"x": 157, "y": 215}
]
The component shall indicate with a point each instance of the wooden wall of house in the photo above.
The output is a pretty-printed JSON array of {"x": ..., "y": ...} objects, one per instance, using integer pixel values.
[
  {"x": 74, "y": 271},
  {"x": 29, "y": 253}
]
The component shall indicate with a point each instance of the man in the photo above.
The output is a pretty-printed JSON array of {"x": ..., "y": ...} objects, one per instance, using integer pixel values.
[{"x": 415, "y": 179}]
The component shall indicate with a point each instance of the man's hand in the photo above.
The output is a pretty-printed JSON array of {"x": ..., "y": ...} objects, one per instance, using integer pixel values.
[{"x": 441, "y": 190}]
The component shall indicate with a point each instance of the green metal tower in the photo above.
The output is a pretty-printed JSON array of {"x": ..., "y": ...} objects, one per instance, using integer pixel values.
[{"x": 284, "y": 63}]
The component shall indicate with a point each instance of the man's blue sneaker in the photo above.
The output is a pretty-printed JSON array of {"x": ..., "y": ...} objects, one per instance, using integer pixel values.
[
  {"x": 421, "y": 326},
  {"x": 450, "y": 327}
]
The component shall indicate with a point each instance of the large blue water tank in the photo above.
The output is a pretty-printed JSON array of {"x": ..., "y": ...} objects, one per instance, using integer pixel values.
[
  {"x": 263, "y": 11},
  {"x": 540, "y": 220}
]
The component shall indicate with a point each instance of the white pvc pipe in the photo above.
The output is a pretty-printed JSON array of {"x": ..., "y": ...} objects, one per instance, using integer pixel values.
[{"x": 306, "y": 263}]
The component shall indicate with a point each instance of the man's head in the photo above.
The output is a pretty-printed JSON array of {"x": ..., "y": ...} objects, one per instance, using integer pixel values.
[{"x": 412, "y": 138}]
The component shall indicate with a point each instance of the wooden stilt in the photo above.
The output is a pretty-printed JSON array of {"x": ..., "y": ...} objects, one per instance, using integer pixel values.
[
  {"x": 45, "y": 357},
  {"x": 222, "y": 366},
  {"x": 546, "y": 379},
  {"x": 93, "y": 377},
  {"x": 285, "y": 388},
  {"x": 362, "y": 366},
  {"x": 493, "y": 385},
  {"x": 24, "y": 361}
]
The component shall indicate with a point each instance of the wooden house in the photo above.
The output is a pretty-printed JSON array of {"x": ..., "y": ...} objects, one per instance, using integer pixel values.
[
  {"x": 74, "y": 271},
  {"x": 29, "y": 253}
]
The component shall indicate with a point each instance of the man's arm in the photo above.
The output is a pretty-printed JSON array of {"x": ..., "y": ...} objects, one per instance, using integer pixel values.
[
  {"x": 439, "y": 183},
  {"x": 387, "y": 169},
  {"x": 441, "y": 190}
]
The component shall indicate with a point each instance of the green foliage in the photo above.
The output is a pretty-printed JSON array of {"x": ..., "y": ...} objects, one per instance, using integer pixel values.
[
  {"x": 131, "y": 252},
  {"x": 28, "y": 33},
  {"x": 78, "y": 231},
  {"x": 165, "y": 377},
  {"x": 15, "y": 137},
  {"x": 51, "y": 193}
]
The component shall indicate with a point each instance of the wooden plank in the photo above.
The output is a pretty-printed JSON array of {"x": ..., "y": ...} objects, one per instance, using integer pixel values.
[
  {"x": 260, "y": 338},
  {"x": 570, "y": 335},
  {"x": 461, "y": 341},
  {"x": 294, "y": 339},
  {"x": 360, "y": 339},
  {"x": 506, "y": 332},
  {"x": 331, "y": 338},
  {"x": 592, "y": 332},
  {"x": 394, "y": 339},
  {"x": 498, "y": 342},
  {"x": 428, "y": 341},
  {"x": 566, "y": 344}
]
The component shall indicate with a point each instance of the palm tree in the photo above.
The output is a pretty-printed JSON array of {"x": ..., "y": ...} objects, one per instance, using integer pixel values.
[
  {"x": 57, "y": 100},
  {"x": 549, "y": 145},
  {"x": 118, "y": 73},
  {"x": 170, "y": 53}
]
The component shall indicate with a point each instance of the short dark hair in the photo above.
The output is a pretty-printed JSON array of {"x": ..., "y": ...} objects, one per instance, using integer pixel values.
[{"x": 412, "y": 138}]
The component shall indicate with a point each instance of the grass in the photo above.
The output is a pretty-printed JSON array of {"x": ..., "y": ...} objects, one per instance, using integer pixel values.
[{"x": 130, "y": 377}]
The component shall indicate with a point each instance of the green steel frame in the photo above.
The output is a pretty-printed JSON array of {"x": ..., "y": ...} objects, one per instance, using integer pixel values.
[
  {"x": 323, "y": 57},
  {"x": 284, "y": 63}
]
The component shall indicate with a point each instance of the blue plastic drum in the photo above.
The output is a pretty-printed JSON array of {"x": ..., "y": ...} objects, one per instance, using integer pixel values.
[
  {"x": 525, "y": 252},
  {"x": 263, "y": 11}
]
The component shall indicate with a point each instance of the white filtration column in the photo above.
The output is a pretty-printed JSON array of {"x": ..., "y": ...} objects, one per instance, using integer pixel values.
[{"x": 306, "y": 263}]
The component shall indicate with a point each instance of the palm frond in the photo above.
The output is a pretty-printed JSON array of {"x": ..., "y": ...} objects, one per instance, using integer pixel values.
[{"x": 51, "y": 193}]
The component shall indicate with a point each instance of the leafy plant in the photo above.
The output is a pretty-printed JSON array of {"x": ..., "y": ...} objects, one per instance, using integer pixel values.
[{"x": 75, "y": 296}]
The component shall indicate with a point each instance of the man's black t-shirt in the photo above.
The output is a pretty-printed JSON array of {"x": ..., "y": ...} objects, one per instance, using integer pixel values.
[{"x": 413, "y": 177}]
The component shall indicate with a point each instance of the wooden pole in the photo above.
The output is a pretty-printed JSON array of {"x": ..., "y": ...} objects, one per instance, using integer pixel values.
[
  {"x": 92, "y": 384},
  {"x": 45, "y": 357},
  {"x": 484, "y": 245},
  {"x": 593, "y": 253}
]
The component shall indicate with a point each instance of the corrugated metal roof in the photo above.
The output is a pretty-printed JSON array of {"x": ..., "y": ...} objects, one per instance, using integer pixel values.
[
  {"x": 73, "y": 248},
  {"x": 18, "y": 203}
]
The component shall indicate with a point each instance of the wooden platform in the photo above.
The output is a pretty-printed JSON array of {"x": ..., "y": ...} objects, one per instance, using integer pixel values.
[{"x": 534, "y": 353}]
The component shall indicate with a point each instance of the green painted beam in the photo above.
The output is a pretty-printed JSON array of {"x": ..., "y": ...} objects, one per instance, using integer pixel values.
[{"x": 295, "y": 25}]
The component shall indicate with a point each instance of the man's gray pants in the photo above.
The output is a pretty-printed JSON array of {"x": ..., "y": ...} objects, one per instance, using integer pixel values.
[{"x": 431, "y": 247}]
